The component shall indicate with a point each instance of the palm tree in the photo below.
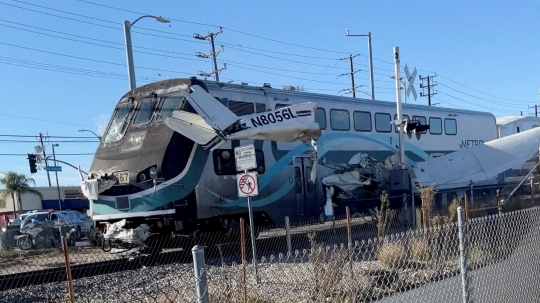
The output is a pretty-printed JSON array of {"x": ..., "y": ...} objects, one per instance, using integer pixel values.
[{"x": 15, "y": 185}]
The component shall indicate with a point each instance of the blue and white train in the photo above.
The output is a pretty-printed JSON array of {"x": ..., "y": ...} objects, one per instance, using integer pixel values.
[{"x": 151, "y": 174}]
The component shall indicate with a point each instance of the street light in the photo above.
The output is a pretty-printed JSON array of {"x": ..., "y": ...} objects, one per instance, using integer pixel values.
[
  {"x": 56, "y": 173},
  {"x": 370, "y": 61},
  {"x": 129, "y": 51},
  {"x": 87, "y": 130}
]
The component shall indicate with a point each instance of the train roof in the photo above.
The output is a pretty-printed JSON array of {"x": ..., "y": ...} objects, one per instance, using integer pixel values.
[
  {"x": 165, "y": 85},
  {"x": 266, "y": 88}
]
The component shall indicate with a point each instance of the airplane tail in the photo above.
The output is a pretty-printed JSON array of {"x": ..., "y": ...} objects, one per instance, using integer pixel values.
[{"x": 480, "y": 162}]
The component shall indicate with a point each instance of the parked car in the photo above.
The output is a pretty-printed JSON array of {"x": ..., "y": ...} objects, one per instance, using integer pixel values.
[
  {"x": 51, "y": 215},
  {"x": 83, "y": 223},
  {"x": 10, "y": 231}
]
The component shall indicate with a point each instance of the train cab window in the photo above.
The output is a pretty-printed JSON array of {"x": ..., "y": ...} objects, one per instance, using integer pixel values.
[
  {"x": 145, "y": 112},
  {"x": 435, "y": 126},
  {"x": 225, "y": 165},
  {"x": 362, "y": 121},
  {"x": 382, "y": 123},
  {"x": 260, "y": 107},
  {"x": 120, "y": 120},
  {"x": 396, "y": 127},
  {"x": 450, "y": 126},
  {"x": 170, "y": 104},
  {"x": 422, "y": 121},
  {"x": 241, "y": 108},
  {"x": 340, "y": 119},
  {"x": 320, "y": 117}
]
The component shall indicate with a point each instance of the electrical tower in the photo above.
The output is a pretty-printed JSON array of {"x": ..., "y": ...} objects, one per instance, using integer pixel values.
[
  {"x": 352, "y": 72},
  {"x": 430, "y": 90},
  {"x": 213, "y": 54}
]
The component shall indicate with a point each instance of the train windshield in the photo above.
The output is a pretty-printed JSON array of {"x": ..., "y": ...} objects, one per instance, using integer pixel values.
[{"x": 119, "y": 123}]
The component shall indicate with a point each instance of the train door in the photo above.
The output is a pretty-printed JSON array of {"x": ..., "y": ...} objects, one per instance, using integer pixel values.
[{"x": 306, "y": 191}]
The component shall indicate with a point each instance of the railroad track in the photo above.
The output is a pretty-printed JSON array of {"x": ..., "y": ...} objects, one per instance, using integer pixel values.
[{"x": 58, "y": 273}]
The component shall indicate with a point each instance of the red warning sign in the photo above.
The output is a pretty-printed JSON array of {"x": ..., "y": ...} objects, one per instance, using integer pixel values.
[{"x": 247, "y": 184}]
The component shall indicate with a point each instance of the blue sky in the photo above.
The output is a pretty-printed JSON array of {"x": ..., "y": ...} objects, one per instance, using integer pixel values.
[{"x": 63, "y": 64}]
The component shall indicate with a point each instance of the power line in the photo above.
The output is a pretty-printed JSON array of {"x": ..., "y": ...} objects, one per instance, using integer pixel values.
[
  {"x": 80, "y": 154},
  {"x": 481, "y": 98},
  {"x": 61, "y": 137},
  {"x": 483, "y": 92},
  {"x": 60, "y": 141},
  {"x": 43, "y": 120}
]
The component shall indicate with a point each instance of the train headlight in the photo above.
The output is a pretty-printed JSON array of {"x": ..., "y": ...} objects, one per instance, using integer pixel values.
[
  {"x": 153, "y": 172},
  {"x": 133, "y": 141}
]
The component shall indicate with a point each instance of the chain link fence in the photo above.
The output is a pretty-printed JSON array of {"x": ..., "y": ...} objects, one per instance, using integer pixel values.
[{"x": 362, "y": 258}]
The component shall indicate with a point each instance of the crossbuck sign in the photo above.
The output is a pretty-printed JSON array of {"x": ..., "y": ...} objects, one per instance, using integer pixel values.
[{"x": 410, "y": 81}]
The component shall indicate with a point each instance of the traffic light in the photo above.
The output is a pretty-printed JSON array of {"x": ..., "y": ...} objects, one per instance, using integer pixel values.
[{"x": 32, "y": 162}]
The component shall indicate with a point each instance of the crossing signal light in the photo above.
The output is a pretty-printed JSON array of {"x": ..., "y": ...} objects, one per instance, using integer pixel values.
[
  {"x": 32, "y": 162},
  {"x": 414, "y": 127}
]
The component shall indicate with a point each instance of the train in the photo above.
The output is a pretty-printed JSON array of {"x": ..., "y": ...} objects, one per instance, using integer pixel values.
[{"x": 150, "y": 174}]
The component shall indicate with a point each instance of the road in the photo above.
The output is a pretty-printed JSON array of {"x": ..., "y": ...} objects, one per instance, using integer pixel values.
[{"x": 515, "y": 279}]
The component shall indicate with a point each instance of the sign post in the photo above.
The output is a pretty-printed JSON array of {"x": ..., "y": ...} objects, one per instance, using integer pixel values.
[{"x": 248, "y": 186}]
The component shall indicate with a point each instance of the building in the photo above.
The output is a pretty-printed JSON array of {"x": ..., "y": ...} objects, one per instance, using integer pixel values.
[
  {"x": 71, "y": 197},
  {"x": 510, "y": 125}
]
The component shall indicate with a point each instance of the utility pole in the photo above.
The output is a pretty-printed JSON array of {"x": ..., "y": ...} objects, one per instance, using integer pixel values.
[
  {"x": 428, "y": 86},
  {"x": 44, "y": 157},
  {"x": 535, "y": 110},
  {"x": 353, "y": 87},
  {"x": 213, "y": 53}
]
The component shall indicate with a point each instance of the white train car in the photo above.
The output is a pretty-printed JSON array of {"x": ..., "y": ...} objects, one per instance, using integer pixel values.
[{"x": 163, "y": 176}]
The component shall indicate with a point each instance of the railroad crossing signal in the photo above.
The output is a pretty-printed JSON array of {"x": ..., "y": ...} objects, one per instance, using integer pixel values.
[{"x": 410, "y": 81}]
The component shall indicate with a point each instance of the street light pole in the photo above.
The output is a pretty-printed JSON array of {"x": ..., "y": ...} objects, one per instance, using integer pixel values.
[
  {"x": 56, "y": 173},
  {"x": 370, "y": 61},
  {"x": 87, "y": 130},
  {"x": 129, "y": 50}
]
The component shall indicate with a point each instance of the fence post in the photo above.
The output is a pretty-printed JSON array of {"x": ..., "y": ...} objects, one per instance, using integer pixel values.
[
  {"x": 463, "y": 254},
  {"x": 349, "y": 239},
  {"x": 68, "y": 267},
  {"x": 199, "y": 268},
  {"x": 243, "y": 251},
  {"x": 288, "y": 234}
]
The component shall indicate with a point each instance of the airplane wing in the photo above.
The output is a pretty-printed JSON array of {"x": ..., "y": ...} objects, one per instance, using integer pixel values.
[
  {"x": 286, "y": 124},
  {"x": 479, "y": 162},
  {"x": 214, "y": 123},
  {"x": 192, "y": 126},
  {"x": 212, "y": 112}
]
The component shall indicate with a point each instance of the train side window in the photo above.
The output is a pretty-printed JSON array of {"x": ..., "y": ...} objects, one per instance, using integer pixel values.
[
  {"x": 225, "y": 165},
  {"x": 382, "y": 122},
  {"x": 340, "y": 119},
  {"x": 362, "y": 121},
  {"x": 309, "y": 184},
  {"x": 260, "y": 107},
  {"x": 145, "y": 112},
  {"x": 396, "y": 127},
  {"x": 435, "y": 126},
  {"x": 450, "y": 126},
  {"x": 422, "y": 121},
  {"x": 297, "y": 180},
  {"x": 241, "y": 108},
  {"x": 320, "y": 117}
]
